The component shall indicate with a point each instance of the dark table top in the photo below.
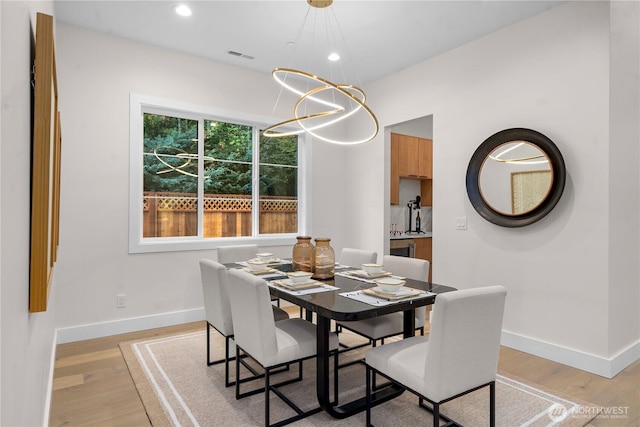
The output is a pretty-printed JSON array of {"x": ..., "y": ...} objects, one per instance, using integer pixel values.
[{"x": 333, "y": 306}]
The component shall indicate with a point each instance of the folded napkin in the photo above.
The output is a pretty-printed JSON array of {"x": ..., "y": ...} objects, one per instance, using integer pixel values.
[
  {"x": 362, "y": 278},
  {"x": 318, "y": 289},
  {"x": 378, "y": 301}
]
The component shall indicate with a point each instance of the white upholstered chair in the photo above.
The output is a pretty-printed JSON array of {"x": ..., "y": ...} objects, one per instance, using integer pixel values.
[
  {"x": 356, "y": 257},
  {"x": 228, "y": 254},
  {"x": 271, "y": 344},
  {"x": 459, "y": 356},
  {"x": 379, "y": 328},
  {"x": 235, "y": 253},
  {"x": 218, "y": 309}
]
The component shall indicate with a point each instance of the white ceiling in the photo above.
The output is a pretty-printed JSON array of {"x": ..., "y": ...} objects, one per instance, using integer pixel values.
[{"x": 381, "y": 37}]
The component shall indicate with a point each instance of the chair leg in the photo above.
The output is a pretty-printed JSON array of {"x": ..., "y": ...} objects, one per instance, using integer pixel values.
[
  {"x": 373, "y": 380},
  {"x": 208, "y": 344},
  {"x": 335, "y": 377},
  {"x": 209, "y": 361},
  {"x": 436, "y": 415},
  {"x": 492, "y": 404},
  {"x": 267, "y": 388},
  {"x": 237, "y": 372},
  {"x": 227, "y": 383},
  {"x": 368, "y": 396}
]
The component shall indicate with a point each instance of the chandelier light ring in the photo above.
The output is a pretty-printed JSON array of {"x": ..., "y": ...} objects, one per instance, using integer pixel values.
[
  {"x": 326, "y": 85},
  {"x": 519, "y": 160},
  {"x": 286, "y": 71},
  {"x": 181, "y": 154},
  {"x": 338, "y": 88},
  {"x": 282, "y": 81},
  {"x": 298, "y": 119},
  {"x": 344, "y": 89},
  {"x": 272, "y": 133},
  {"x": 526, "y": 160},
  {"x": 361, "y": 105}
]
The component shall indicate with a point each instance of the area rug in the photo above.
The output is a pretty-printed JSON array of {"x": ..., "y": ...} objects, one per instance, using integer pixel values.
[{"x": 177, "y": 388}]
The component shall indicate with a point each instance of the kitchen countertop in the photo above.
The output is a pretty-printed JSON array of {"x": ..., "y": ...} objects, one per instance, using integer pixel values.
[{"x": 425, "y": 235}]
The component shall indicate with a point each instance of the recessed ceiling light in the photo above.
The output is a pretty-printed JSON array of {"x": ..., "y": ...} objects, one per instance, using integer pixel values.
[
  {"x": 182, "y": 10},
  {"x": 334, "y": 57}
]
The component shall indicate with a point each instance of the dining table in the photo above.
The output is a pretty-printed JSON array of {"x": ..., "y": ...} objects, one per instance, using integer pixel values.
[{"x": 342, "y": 298}]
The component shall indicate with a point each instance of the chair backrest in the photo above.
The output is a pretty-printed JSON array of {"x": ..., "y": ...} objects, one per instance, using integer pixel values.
[
  {"x": 215, "y": 285},
  {"x": 464, "y": 341},
  {"x": 356, "y": 257},
  {"x": 227, "y": 254},
  {"x": 412, "y": 268},
  {"x": 253, "y": 322}
]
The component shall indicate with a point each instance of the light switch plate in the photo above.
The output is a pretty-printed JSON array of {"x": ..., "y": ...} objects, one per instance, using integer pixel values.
[{"x": 461, "y": 223}]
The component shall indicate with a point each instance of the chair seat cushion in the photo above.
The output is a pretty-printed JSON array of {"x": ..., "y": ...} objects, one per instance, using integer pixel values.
[
  {"x": 402, "y": 360},
  {"x": 296, "y": 339},
  {"x": 379, "y": 327}
]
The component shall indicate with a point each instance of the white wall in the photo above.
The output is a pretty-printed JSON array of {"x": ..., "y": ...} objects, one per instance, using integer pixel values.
[
  {"x": 26, "y": 339},
  {"x": 550, "y": 73},
  {"x": 624, "y": 204}
]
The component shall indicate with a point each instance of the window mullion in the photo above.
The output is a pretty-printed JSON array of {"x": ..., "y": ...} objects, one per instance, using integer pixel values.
[
  {"x": 200, "y": 214},
  {"x": 255, "y": 182}
]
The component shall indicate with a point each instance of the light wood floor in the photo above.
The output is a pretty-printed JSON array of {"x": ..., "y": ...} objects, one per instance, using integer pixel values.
[{"x": 92, "y": 386}]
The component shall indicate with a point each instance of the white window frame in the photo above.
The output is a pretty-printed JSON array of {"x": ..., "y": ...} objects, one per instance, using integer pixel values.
[{"x": 140, "y": 104}]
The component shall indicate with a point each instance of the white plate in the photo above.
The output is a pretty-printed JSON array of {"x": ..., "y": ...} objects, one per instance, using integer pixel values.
[
  {"x": 290, "y": 282},
  {"x": 391, "y": 281},
  {"x": 399, "y": 292}
]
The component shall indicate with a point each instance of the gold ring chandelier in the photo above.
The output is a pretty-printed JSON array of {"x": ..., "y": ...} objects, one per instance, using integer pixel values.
[
  {"x": 311, "y": 122},
  {"x": 321, "y": 104}
]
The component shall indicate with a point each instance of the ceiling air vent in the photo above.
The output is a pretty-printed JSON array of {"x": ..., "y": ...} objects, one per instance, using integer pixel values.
[{"x": 241, "y": 55}]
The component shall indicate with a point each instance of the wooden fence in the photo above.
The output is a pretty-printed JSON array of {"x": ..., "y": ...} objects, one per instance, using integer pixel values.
[{"x": 225, "y": 215}]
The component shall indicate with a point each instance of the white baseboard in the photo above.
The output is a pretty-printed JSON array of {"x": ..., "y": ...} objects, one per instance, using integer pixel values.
[
  {"x": 604, "y": 367},
  {"x": 123, "y": 326},
  {"x": 52, "y": 364}
]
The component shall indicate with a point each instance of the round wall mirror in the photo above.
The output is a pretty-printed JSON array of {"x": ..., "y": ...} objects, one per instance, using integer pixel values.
[{"x": 515, "y": 177}]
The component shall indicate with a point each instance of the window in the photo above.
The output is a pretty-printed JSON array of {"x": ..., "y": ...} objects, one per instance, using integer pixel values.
[{"x": 202, "y": 178}]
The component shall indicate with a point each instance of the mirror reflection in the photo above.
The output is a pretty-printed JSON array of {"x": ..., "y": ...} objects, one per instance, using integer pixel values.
[{"x": 515, "y": 178}]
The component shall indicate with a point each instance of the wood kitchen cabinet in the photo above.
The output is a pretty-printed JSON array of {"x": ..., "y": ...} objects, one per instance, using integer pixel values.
[
  {"x": 411, "y": 158},
  {"x": 414, "y": 157},
  {"x": 424, "y": 251},
  {"x": 394, "y": 191}
]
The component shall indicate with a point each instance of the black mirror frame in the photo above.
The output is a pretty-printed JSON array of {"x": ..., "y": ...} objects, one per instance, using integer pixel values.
[{"x": 545, "y": 206}]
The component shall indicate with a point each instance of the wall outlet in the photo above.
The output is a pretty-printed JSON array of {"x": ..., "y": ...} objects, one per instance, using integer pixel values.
[
  {"x": 120, "y": 301},
  {"x": 461, "y": 223}
]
